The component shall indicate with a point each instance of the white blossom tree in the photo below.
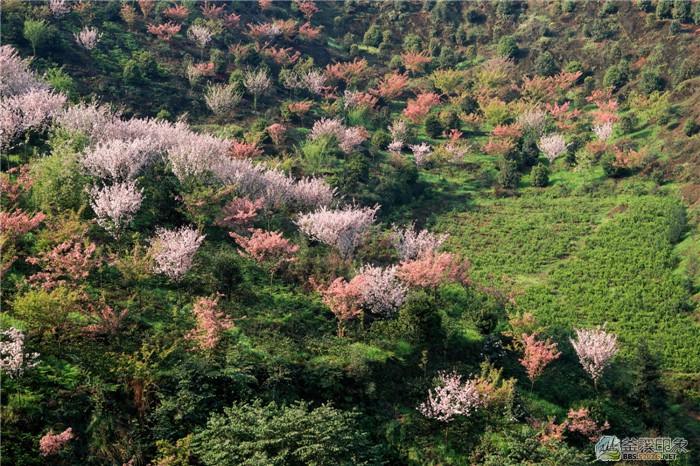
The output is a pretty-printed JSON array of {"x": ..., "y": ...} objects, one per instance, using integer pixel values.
[
  {"x": 595, "y": 349},
  {"x": 115, "y": 205},
  {"x": 258, "y": 83},
  {"x": 342, "y": 229},
  {"x": 411, "y": 244},
  {"x": 552, "y": 146},
  {"x": 451, "y": 398},
  {"x": 382, "y": 292},
  {"x": 173, "y": 251},
  {"x": 88, "y": 38},
  {"x": 13, "y": 358}
]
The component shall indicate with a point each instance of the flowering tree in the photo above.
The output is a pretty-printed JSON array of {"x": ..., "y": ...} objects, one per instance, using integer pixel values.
[
  {"x": 391, "y": 86},
  {"x": 433, "y": 270},
  {"x": 283, "y": 56},
  {"x": 267, "y": 247},
  {"x": 174, "y": 250},
  {"x": 177, "y": 12},
  {"x": 418, "y": 108},
  {"x": 58, "y": 8},
  {"x": 52, "y": 444},
  {"x": 595, "y": 349},
  {"x": 70, "y": 260},
  {"x": 222, "y": 99},
  {"x": 258, "y": 83},
  {"x": 534, "y": 120},
  {"x": 276, "y": 132},
  {"x": 341, "y": 229},
  {"x": 240, "y": 212},
  {"x": 212, "y": 12},
  {"x": 347, "y": 137},
  {"x": 32, "y": 110},
  {"x": 604, "y": 131},
  {"x": 358, "y": 99},
  {"x": 343, "y": 298},
  {"x": 117, "y": 160},
  {"x": 195, "y": 72},
  {"x": 115, "y": 205},
  {"x": 244, "y": 150},
  {"x": 146, "y": 6},
  {"x": 421, "y": 153},
  {"x": 309, "y": 193},
  {"x": 399, "y": 130},
  {"x": 411, "y": 244},
  {"x": 164, "y": 31},
  {"x": 13, "y": 358},
  {"x": 451, "y": 398},
  {"x": 414, "y": 61},
  {"x": 307, "y": 8},
  {"x": 382, "y": 292},
  {"x": 210, "y": 323},
  {"x": 581, "y": 422},
  {"x": 395, "y": 147},
  {"x": 88, "y": 38},
  {"x": 552, "y": 146},
  {"x": 562, "y": 115},
  {"x": 200, "y": 35},
  {"x": 308, "y": 33},
  {"x": 538, "y": 354}
]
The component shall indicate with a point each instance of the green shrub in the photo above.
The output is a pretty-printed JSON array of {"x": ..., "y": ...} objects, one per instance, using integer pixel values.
[
  {"x": 614, "y": 78},
  {"x": 688, "y": 69},
  {"x": 545, "y": 64},
  {"x": 691, "y": 127},
  {"x": 628, "y": 123},
  {"x": 674, "y": 27},
  {"x": 35, "y": 32},
  {"x": 373, "y": 36},
  {"x": 270, "y": 434},
  {"x": 644, "y": 5},
  {"x": 539, "y": 176},
  {"x": 433, "y": 127},
  {"x": 681, "y": 10},
  {"x": 610, "y": 167},
  {"x": 508, "y": 175},
  {"x": 59, "y": 183},
  {"x": 62, "y": 82},
  {"x": 381, "y": 139},
  {"x": 663, "y": 9},
  {"x": 650, "y": 81},
  {"x": 609, "y": 7},
  {"x": 507, "y": 46}
]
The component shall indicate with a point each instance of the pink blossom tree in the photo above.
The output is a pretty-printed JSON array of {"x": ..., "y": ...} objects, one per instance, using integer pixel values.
[
  {"x": 391, "y": 86},
  {"x": 240, "y": 213},
  {"x": 200, "y": 36},
  {"x": 276, "y": 132},
  {"x": 309, "y": 193},
  {"x": 417, "y": 109},
  {"x": 211, "y": 323},
  {"x": 13, "y": 358},
  {"x": 165, "y": 31},
  {"x": 52, "y": 444},
  {"x": 342, "y": 229},
  {"x": 343, "y": 298},
  {"x": 537, "y": 355},
  {"x": 69, "y": 262},
  {"x": 269, "y": 248},
  {"x": 173, "y": 251},
  {"x": 414, "y": 61},
  {"x": 604, "y": 131},
  {"x": 434, "y": 270},
  {"x": 581, "y": 422},
  {"x": 595, "y": 349},
  {"x": 450, "y": 398},
  {"x": 534, "y": 120},
  {"x": 58, "y": 8},
  {"x": 115, "y": 205}
]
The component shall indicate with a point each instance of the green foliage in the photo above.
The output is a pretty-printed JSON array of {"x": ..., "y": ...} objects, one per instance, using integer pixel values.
[
  {"x": 545, "y": 64},
  {"x": 507, "y": 46},
  {"x": 35, "y": 32},
  {"x": 508, "y": 174},
  {"x": 381, "y": 139},
  {"x": 691, "y": 127},
  {"x": 615, "y": 77},
  {"x": 539, "y": 176},
  {"x": 663, "y": 9},
  {"x": 291, "y": 435},
  {"x": 59, "y": 183},
  {"x": 650, "y": 81},
  {"x": 62, "y": 82},
  {"x": 433, "y": 127},
  {"x": 373, "y": 36}
]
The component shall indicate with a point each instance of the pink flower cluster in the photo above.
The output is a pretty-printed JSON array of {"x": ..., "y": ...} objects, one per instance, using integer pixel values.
[{"x": 451, "y": 398}]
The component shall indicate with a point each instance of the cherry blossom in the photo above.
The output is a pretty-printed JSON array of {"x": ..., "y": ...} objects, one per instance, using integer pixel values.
[
  {"x": 450, "y": 398},
  {"x": 88, "y": 38},
  {"x": 434, "y": 270},
  {"x": 552, "y": 146},
  {"x": 115, "y": 205},
  {"x": 52, "y": 444},
  {"x": 538, "y": 354},
  {"x": 210, "y": 323},
  {"x": 595, "y": 349},
  {"x": 341, "y": 229},
  {"x": 173, "y": 251},
  {"x": 411, "y": 244},
  {"x": 13, "y": 358},
  {"x": 381, "y": 291}
]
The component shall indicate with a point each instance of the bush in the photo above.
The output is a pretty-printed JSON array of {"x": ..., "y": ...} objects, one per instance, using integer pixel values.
[
  {"x": 508, "y": 176},
  {"x": 433, "y": 126},
  {"x": 449, "y": 120},
  {"x": 681, "y": 10},
  {"x": 674, "y": 27},
  {"x": 644, "y": 5},
  {"x": 663, "y": 9},
  {"x": 35, "y": 32},
  {"x": 507, "y": 46},
  {"x": 59, "y": 183},
  {"x": 373, "y": 36},
  {"x": 628, "y": 123},
  {"x": 271, "y": 434},
  {"x": 650, "y": 81},
  {"x": 539, "y": 176},
  {"x": 610, "y": 169},
  {"x": 690, "y": 127},
  {"x": 614, "y": 78},
  {"x": 609, "y": 7},
  {"x": 545, "y": 65},
  {"x": 381, "y": 139},
  {"x": 574, "y": 66},
  {"x": 688, "y": 69}
]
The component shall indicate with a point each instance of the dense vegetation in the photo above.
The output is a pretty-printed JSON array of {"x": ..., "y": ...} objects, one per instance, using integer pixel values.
[{"x": 347, "y": 232}]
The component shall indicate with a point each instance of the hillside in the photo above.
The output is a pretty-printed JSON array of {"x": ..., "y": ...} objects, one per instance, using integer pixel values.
[{"x": 348, "y": 232}]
